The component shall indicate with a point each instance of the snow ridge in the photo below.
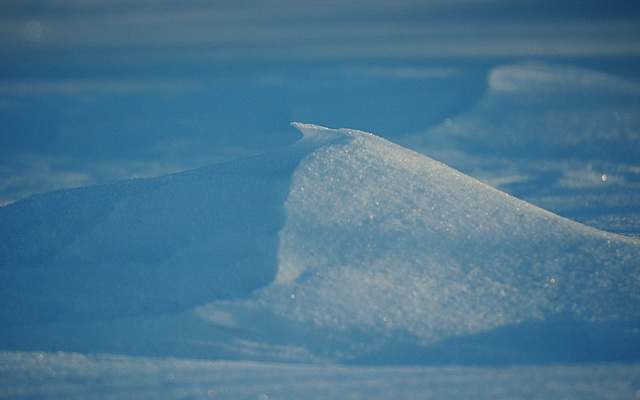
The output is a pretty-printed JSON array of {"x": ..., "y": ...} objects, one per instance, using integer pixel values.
[
  {"x": 381, "y": 242},
  {"x": 343, "y": 247}
]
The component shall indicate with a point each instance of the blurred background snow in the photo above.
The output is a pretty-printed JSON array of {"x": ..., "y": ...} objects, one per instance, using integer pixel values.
[{"x": 93, "y": 91}]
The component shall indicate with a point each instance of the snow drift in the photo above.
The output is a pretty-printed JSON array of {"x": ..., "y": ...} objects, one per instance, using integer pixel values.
[
  {"x": 343, "y": 247},
  {"x": 539, "y": 110}
]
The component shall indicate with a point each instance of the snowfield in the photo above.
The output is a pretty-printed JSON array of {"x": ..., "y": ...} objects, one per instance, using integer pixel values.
[
  {"x": 341, "y": 249},
  {"x": 165, "y": 232}
]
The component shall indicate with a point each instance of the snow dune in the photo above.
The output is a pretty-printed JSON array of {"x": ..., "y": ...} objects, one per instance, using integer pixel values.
[{"x": 342, "y": 248}]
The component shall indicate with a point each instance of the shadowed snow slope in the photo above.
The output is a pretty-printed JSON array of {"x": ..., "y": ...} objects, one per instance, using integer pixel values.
[
  {"x": 344, "y": 247},
  {"x": 146, "y": 245}
]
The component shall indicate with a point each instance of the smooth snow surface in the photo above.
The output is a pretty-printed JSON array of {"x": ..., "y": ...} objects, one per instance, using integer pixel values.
[{"x": 342, "y": 248}]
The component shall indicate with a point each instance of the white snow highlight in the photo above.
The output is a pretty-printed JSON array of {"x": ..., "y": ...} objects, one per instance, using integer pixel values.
[{"x": 382, "y": 242}]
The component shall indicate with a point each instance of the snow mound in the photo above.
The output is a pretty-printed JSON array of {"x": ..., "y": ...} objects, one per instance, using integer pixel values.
[
  {"x": 343, "y": 247},
  {"x": 385, "y": 252}
]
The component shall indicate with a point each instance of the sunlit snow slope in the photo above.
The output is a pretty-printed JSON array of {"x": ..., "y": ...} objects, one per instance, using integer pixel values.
[{"x": 344, "y": 247}]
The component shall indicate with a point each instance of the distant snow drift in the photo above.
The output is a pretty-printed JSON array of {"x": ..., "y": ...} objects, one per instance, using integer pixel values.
[
  {"x": 558, "y": 111},
  {"x": 343, "y": 247}
]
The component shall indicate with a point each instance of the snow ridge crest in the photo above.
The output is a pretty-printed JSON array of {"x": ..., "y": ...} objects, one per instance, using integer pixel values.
[{"x": 317, "y": 133}]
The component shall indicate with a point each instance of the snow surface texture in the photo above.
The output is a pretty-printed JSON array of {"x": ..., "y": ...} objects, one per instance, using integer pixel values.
[
  {"x": 342, "y": 248},
  {"x": 65, "y": 376}
]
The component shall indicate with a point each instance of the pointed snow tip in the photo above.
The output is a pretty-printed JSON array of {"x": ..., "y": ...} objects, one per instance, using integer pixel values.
[
  {"x": 302, "y": 125},
  {"x": 308, "y": 129},
  {"x": 317, "y": 131}
]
